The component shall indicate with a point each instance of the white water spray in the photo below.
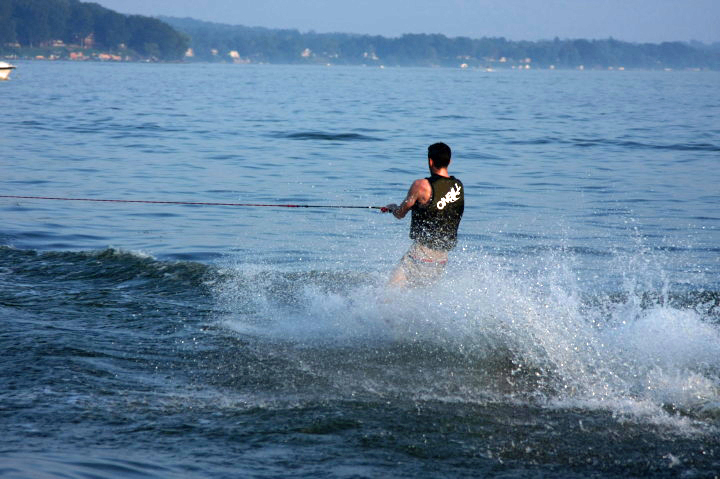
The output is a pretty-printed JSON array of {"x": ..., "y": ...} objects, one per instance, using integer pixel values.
[{"x": 612, "y": 351}]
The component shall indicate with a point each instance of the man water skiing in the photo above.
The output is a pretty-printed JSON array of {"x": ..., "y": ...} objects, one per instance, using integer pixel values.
[{"x": 437, "y": 204}]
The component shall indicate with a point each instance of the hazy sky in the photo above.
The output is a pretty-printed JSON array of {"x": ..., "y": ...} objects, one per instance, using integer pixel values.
[{"x": 629, "y": 20}]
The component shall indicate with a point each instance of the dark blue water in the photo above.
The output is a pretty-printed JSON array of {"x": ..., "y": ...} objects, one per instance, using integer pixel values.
[{"x": 577, "y": 333}]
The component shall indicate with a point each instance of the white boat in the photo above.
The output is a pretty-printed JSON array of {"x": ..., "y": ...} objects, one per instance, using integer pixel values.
[{"x": 5, "y": 69}]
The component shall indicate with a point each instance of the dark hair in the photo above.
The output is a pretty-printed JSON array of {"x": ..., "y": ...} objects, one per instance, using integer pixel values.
[{"x": 440, "y": 154}]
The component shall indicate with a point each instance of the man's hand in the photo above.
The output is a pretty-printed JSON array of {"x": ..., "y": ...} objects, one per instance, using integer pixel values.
[{"x": 391, "y": 208}]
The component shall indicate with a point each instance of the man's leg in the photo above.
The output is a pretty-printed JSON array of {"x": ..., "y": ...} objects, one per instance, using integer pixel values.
[{"x": 398, "y": 278}]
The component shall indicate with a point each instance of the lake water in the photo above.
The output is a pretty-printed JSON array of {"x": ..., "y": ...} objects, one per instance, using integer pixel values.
[{"x": 575, "y": 334}]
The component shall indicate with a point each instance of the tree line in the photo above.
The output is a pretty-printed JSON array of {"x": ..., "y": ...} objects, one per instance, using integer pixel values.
[
  {"x": 37, "y": 23},
  {"x": 212, "y": 41}
]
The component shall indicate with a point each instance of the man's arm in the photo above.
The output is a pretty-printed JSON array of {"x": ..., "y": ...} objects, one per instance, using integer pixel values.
[{"x": 419, "y": 192}]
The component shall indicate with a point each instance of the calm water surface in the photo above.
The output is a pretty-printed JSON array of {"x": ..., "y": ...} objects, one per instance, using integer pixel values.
[{"x": 577, "y": 333}]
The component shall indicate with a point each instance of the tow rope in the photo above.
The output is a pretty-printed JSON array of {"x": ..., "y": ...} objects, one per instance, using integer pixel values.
[{"x": 196, "y": 203}]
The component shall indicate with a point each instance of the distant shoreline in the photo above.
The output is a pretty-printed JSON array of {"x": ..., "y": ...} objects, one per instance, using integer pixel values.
[
  {"x": 356, "y": 65},
  {"x": 89, "y": 32}
]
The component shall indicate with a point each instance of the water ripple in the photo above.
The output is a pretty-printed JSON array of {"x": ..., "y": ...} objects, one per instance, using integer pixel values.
[
  {"x": 326, "y": 136},
  {"x": 651, "y": 146}
]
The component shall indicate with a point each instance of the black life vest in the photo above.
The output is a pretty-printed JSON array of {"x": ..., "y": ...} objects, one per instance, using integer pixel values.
[{"x": 435, "y": 224}]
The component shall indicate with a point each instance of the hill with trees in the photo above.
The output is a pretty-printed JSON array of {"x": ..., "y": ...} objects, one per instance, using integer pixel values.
[
  {"x": 59, "y": 29},
  {"x": 57, "y": 25},
  {"x": 219, "y": 42}
]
